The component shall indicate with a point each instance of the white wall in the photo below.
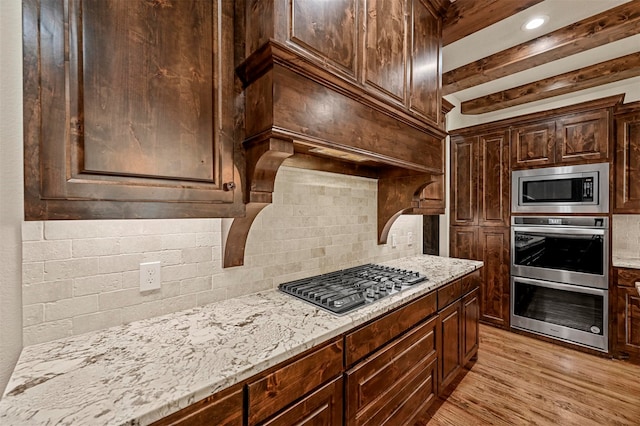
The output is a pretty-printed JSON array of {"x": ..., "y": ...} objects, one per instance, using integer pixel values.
[{"x": 10, "y": 186}]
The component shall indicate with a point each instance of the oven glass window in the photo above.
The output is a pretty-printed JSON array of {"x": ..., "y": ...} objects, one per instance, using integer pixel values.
[
  {"x": 578, "y": 311},
  {"x": 568, "y": 252}
]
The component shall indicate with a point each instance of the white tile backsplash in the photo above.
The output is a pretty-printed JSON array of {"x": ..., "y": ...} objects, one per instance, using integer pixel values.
[{"x": 80, "y": 276}]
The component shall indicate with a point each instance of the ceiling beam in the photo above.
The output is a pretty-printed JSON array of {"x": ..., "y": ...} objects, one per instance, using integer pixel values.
[
  {"x": 595, "y": 75},
  {"x": 611, "y": 25},
  {"x": 465, "y": 17}
]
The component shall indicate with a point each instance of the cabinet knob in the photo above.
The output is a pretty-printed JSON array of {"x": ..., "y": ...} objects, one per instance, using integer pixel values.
[{"x": 229, "y": 186}]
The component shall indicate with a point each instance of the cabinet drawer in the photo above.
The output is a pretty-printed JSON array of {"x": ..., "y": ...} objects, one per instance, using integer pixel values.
[
  {"x": 397, "y": 382},
  {"x": 370, "y": 337},
  {"x": 470, "y": 282},
  {"x": 283, "y": 386},
  {"x": 449, "y": 293},
  {"x": 322, "y": 407},
  {"x": 223, "y": 408},
  {"x": 627, "y": 277}
]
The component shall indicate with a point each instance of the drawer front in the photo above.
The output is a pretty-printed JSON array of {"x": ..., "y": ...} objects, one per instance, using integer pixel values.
[
  {"x": 223, "y": 408},
  {"x": 397, "y": 382},
  {"x": 628, "y": 277},
  {"x": 322, "y": 407},
  {"x": 370, "y": 337},
  {"x": 449, "y": 293},
  {"x": 280, "y": 388},
  {"x": 470, "y": 282}
]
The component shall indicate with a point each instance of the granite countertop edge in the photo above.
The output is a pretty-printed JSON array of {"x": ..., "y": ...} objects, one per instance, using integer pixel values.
[{"x": 180, "y": 358}]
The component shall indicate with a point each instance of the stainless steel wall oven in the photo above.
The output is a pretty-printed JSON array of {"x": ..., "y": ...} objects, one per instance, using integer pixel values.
[{"x": 560, "y": 279}]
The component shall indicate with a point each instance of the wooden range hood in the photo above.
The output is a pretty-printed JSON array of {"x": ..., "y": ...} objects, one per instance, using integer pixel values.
[{"x": 323, "y": 96}]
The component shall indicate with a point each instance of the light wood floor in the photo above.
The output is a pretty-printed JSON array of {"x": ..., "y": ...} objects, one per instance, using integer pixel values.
[{"x": 518, "y": 380}]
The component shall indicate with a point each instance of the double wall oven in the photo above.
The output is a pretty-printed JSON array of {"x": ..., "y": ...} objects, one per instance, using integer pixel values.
[{"x": 559, "y": 262}]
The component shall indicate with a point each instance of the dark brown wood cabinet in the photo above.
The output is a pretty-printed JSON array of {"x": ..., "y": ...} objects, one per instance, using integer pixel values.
[
  {"x": 627, "y": 160},
  {"x": 470, "y": 324},
  {"x": 464, "y": 181},
  {"x": 396, "y": 383},
  {"x": 129, "y": 110},
  {"x": 224, "y": 408},
  {"x": 494, "y": 250},
  {"x": 494, "y": 179},
  {"x": 575, "y": 138},
  {"x": 450, "y": 361},
  {"x": 627, "y": 313}
]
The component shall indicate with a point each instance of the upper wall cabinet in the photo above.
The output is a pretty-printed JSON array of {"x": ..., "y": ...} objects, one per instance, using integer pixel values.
[
  {"x": 569, "y": 139},
  {"x": 627, "y": 160},
  {"x": 129, "y": 109}
]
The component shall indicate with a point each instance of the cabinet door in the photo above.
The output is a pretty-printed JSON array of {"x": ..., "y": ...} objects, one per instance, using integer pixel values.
[
  {"x": 450, "y": 352},
  {"x": 464, "y": 242},
  {"x": 322, "y": 407},
  {"x": 628, "y": 321},
  {"x": 533, "y": 145},
  {"x": 582, "y": 137},
  {"x": 385, "y": 54},
  {"x": 464, "y": 181},
  {"x": 494, "y": 298},
  {"x": 627, "y": 164},
  {"x": 129, "y": 108},
  {"x": 494, "y": 178},
  {"x": 470, "y": 325},
  {"x": 396, "y": 383},
  {"x": 223, "y": 409},
  {"x": 424, "y": 97}
]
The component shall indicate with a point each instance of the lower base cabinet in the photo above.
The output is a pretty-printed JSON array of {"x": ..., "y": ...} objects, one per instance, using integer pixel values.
[
  {"x": 627, "y": 343},
  {"x": 387, "y": 371},
  {"x": 397, "y": 382}
]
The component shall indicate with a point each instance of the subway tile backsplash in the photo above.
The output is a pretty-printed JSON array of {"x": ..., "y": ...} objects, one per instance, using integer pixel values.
[{"x": 80, "y": 276}]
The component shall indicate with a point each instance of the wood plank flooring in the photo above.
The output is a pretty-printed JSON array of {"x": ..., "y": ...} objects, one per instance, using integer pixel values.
[{"x": 518, "y": 380}]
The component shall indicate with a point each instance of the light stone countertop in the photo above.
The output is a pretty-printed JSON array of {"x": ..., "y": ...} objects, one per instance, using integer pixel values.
[
  {"x": 143, "y": 371},
  {"x": 625, "y": 262}
]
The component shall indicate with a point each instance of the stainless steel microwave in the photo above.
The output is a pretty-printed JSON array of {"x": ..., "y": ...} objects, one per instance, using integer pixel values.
[{"x": 568, "y": 189}]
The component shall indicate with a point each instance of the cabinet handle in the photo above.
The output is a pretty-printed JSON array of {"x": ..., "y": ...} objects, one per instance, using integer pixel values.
[
  {"x": 229, "y": 186},
  {"x": 638, "y": 287}
]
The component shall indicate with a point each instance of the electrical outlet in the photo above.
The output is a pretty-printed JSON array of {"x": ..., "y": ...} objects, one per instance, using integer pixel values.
[
  {"x": 410, "y": 238},
  {"x": 150, "y": 276},
  {"x": 394, "y": 241}
]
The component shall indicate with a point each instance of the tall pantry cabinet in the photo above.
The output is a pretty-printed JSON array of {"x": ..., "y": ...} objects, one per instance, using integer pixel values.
[{"x": 480, "y": 214}]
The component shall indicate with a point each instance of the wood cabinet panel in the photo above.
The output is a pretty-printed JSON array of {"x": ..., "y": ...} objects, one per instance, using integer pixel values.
[
  {"x": 464, "y": 181},
  {"x": 321, "y": 408},
  {"x": 425, "y": 69},
  {"x": 385, "y": 41},
  {"x": 627, "y": 313},
  {"x": 450, "y": 352},
  {"x": 275, "y": 391},
  {"x": 375, "y": 334},
  {"x": 223, "y": 408},
  {"x": 470, "y": 325},
  {"x": 494, "y": 178},
  {"x": 470, "y": 282},
  {"x": 397, "y": 383},
  {"x": 533, "y": 145},
  {"x": 581, "y": 137},
  {"x": 494, "y": 299},
  {"x": 432, "y": 196},
  {"x": 627, "y": 163},
  {"x": 130, "y": 110},
  {"x": 449, "y": 293},
  {"x": 327, "y": 30},
  {"x": 464, "y": 242}
]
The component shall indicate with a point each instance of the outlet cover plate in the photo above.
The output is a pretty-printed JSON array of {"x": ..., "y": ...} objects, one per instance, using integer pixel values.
[
  {"x": 150, "y": 276},
  {"x": 410, "y": 238}
]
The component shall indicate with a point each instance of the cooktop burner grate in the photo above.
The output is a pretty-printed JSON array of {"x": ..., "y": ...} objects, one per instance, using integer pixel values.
[{"x": 345, "y": 290}]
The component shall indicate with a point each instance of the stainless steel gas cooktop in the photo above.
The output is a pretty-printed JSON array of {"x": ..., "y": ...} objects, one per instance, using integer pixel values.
[{"x": 345, "y": 290}]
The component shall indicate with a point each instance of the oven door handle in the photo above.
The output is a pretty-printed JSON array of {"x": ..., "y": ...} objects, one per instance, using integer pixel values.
[
  {"x": 561, "y": 286},
  {"x": 565, "y": 231}
]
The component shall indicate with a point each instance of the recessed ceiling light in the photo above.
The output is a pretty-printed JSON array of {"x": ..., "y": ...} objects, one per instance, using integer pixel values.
[{"x": 535, "y": 22}]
